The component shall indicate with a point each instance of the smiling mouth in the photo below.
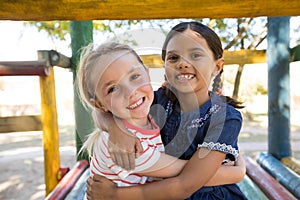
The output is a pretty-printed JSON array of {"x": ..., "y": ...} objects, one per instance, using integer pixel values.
[
  {"x": 185, "y": 77},
  {"x": 136, "y": 104}
]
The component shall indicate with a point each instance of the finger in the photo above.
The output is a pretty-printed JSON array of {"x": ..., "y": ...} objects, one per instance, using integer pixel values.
[
  {"x": 96, "y": 178},
  {"x": 89, "y": 181},
  {"x": 88, "y": 196},
  {"x": 126, "y": 161},
  {"x": 138, "y": 148},
  {"x": 113, "y": 156},
  {"x": 131, "y": 160},
  {"x": 119, "y": 159},
  {"x": 88, "y": 191}
]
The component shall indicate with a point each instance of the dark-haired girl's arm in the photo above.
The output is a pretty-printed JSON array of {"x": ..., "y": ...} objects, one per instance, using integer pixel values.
[
  {"x": 123, "y": 146},
  {"x": 199, "y": 171}
]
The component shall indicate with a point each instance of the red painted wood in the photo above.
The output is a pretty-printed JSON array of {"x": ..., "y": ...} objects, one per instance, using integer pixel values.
[
  {"x": 66, "y": 184},
  {"x": 24, "y": 68},
  {"x": 272, "y": 188}
]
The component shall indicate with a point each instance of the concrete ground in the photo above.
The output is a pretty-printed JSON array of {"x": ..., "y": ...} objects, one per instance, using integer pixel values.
[{"x": 21, "y": 157}]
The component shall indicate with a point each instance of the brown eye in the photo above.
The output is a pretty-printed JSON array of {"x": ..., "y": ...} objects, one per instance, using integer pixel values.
[
  {"x": 112, "y": 89},
  {"x": 172, "y": 58}
]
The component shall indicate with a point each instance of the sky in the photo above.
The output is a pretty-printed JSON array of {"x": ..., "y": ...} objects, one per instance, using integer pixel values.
[
  {"x": 19, "y": 42},
  {"x": 22, "y": 43},
  {"x": 21, "y": 95}
]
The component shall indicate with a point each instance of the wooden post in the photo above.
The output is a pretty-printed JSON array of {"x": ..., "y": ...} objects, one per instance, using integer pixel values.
[
  {"x": 50, "y": 127},
  {"x": 278, "y": 59},
  {"x": 81, "y": 35}
]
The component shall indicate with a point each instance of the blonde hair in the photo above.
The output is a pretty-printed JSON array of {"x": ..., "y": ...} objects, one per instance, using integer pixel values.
[{"x": 90, "y": 59}]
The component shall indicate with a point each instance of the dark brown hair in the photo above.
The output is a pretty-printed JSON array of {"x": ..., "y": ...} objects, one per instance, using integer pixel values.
[{"x": 213, "y": 42}]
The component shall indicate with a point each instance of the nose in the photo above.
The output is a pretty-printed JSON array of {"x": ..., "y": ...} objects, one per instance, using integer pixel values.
[
  {"x": 183, "y": 64},
  {"x": 130, "y": 90}
]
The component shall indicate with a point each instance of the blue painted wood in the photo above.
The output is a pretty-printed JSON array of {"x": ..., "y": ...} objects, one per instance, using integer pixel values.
[
  {"x": 278, "y": 59},
  {"x": 251, "y": 190},
  {"x": 289, "y": 179},
  {"x": 78, "y": 191}
]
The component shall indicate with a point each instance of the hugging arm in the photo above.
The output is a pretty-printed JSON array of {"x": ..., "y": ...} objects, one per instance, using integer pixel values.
[
  {"x": 229, "y": 174},
  {"x": 123, "y": 146},
  {"x": 197, "y": 172}
]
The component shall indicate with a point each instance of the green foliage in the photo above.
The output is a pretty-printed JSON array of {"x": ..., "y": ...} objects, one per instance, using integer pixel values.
[
  {"x": 231, "y": 31},
  {"x": 235, "y": 33},
  {"x": 260, "y": 89},
  {"x": 55, "y": 29}
]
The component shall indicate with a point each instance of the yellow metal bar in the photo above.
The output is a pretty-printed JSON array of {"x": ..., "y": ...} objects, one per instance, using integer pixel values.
[{"x": 50, "y": 131}]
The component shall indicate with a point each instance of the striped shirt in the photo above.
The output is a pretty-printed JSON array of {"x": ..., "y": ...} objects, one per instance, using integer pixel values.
[{"x": 103, "y": 165}]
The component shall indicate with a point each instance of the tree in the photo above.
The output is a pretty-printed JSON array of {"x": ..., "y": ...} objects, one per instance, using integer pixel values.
[{"x": 235, "y": 34}]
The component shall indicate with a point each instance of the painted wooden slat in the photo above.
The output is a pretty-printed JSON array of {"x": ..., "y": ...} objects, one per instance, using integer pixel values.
[
  {"x": 251, "y": 190},
  {"x": 231, "y": 57},
  {"x": 50, "y": 131},
  {"x": 23, "y": 68},
  {"x": 270, "y": 186},
  {"x": 20, "y": 123},
  {"x": 44, "y": 10}
]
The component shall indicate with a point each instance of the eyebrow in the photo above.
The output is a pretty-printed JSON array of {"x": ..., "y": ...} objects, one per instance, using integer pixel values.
[
  {"x": 191, "y": 49},
  {"x": 129, "y": 72}
]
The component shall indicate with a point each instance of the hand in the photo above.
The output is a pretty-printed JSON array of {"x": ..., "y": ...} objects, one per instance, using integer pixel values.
[
  {"x": 123, "y": 147},
  {"x": 98, "y": 188},
  {"x": 240, "y": 163},
  {"x": 228, "y": 162}
]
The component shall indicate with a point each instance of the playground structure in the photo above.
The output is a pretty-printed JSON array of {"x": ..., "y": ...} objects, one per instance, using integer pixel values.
[{"x": 276, "y": 186}]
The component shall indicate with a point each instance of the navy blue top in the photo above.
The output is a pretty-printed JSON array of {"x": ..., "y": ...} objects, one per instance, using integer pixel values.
[{"x": 215, "y": 125}]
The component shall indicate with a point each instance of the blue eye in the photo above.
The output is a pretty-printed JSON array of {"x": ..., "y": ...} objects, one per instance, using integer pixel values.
[
  {"x": 135, "y": 76},
  {"x": 195, "y": 55}
]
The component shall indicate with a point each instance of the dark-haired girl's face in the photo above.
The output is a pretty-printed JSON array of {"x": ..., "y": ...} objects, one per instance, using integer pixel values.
[{"x": 189, "y": 62}]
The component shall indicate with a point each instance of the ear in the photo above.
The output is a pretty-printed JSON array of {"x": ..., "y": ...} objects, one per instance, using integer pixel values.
[
  {"x": 219, "y": 66},
  {"x": 98, "y": 105}
]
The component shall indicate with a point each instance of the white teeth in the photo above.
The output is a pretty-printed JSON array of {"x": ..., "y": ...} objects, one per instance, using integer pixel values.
[
  {"x": 139, "y": 102},
  {"x": 185, "y": 77}
]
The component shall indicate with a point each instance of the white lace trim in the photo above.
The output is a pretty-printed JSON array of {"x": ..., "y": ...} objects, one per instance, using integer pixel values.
[{"x": 220, "y": 147}]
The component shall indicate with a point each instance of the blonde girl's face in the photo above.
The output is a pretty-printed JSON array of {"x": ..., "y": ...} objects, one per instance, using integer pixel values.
[
  {"x": 189, "y": 63},
  {"x": 124, "y": 88}
]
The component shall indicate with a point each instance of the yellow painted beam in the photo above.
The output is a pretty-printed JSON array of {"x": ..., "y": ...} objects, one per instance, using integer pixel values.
[
  {"x": 50, "y": 131},
  {"x": 152, "y": 60},
  {"x": 242, "y": 57},
  {"x": 231, "y": 57},
  {"x": 44, "y": 10},
  {"x": 292, "y": 163},
  {"x": 20, "y": 123}
]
